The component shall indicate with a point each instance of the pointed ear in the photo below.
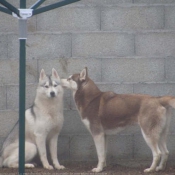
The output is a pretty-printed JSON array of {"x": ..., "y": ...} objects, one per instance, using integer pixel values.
[
  {"x": 83, "y": 74},
  {"x": 55, "y": 74},
  {"x": 42, "y": 75}
]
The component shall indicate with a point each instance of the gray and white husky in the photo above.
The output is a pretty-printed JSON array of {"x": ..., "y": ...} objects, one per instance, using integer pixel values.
[{"x": 43, "y": 121}]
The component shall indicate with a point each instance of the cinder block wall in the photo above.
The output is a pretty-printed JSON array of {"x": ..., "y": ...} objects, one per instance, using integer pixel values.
[{"x": 128, "y": 47}]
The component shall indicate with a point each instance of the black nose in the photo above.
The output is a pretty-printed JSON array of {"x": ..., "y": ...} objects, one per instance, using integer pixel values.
[{"x": 52, "y": 94}]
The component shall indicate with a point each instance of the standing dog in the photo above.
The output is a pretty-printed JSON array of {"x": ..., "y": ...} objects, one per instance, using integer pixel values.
[
  {"x": 43, "y": 122},
  {"x": 105, "y": 112}
]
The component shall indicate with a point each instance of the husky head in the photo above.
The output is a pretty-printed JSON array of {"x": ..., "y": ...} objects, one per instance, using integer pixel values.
[
  {"x": 49, "y": 85},
  {"x": 75, "y": 81}
]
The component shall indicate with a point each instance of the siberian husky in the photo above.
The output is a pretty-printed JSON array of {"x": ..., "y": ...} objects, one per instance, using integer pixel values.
[
  {"x": 104, "y": 112},
  {"x": 43, "y": 121}
]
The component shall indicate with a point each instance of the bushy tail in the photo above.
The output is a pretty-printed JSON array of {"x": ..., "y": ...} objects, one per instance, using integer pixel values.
[{"x": 168, "y": 101}]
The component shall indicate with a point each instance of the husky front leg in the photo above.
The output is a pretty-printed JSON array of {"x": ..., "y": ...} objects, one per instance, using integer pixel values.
[
  {"x": 99, "y": 141},
  {"x": 53, "y": 151},
  {"x": 41, "y": 145}
]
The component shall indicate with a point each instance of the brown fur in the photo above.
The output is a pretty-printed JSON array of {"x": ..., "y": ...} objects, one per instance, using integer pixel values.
[{"x": 108, "y": 111}]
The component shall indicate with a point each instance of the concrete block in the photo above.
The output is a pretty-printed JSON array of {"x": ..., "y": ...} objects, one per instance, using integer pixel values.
[
  {"x": 82, "y": 148},
  {"x": 117, "y": 88},
  {"x": 9, "y": 70},
  {"x": 169, "y": 69},
  {"x": 154, "y": 1},
  {"x": 73, "y": 124},
  {"x": 73, "y": 105},
  {"x": 42, "y": 46},
  {"x": 8, "y": 23},
  {"x": 3, "y": 101},
  {"x": 70, "y": 19},
  {"x": 155, "y": 44},
  {"x": 32, "y": 24},
  {"x": 30, "y": 94},
  {"x": 8, "y": 120},
  {"x": 97, "y": 3},
  {"x": 132, "y": 70},
  {"x": 63, "y": 148},
  {"x": 3, "y": 46},
  {"x": 172, "y": 124},
  {"x": 169, "y": 17},
  {"x": 103, "y": 2},
  {"x": 1, "y": 141},
  {"x": 170, "y": 145},
  {"x": 13, "y": 96},
  {"x": 132, "y": 18},
  {"x": 67, "y": 99},
  {"x": 141, "y": 150},
  {"x": 156, "y": 89},
  {"x": 102, "y": 44},
  {"x": 17, "y": 3},
  {"x": 93, "y": 65},
  {"x": 60, "y": 64},
  {"x": 119, "y": 147}
]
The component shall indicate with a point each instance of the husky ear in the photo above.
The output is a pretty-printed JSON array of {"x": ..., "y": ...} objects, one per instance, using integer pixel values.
[
  {"x": 83, "y": 74},
  {"x": 42, "y": 75},
  {"x": 55, "y": 74}
]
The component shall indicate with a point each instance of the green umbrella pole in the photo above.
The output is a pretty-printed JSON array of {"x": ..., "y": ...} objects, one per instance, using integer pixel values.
[
  {"x": 53, "y": 6},
  {"x": 37, "y": 4},
  {"x": 22, "y": 89},
  {"x": 10, "y": 7},
  {"x": 22, "y": 72},
  {"x": 5, "y": 10}
]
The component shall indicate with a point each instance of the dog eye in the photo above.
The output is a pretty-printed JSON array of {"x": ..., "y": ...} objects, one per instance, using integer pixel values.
[
  {"x": 46, "y": 86},
  {"x": 55, "y": 85}
]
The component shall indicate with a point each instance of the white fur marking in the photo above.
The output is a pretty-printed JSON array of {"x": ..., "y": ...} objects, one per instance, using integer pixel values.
[{"x": 86, "y": 123}]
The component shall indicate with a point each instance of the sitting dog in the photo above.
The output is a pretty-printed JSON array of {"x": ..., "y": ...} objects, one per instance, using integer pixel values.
[
  {"x": 43, "y": 123},
  {"x": 104, "y": 112}
]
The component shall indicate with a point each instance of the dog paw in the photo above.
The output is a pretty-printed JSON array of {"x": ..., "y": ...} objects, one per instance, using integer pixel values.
[
  {"x": 59, "y": 167},
  {"x": 160, "y": 168},
  {"x": 28, "y": 165},
  {"x": 148, "y": 170},
  {"x": 49, "y": 167},
  {"x": 96, "y": 170}
]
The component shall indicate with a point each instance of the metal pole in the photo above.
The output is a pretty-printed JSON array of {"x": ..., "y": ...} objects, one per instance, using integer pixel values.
[
  {"x": 22, "y": 66},
  {"x": 37, "y": 4},
  {"x": 5, "y": 10},
  {"x": 22, "y": 88},
  {"x": 10, "y": 7},
  {"x": 53, "y": 6}
]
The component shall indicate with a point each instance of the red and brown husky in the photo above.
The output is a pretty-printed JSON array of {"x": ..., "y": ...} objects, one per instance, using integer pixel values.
[{"x": 103, "y": 112}]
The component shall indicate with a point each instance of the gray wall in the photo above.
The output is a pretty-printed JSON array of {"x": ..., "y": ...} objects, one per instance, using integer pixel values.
[{"x": 128, "y": 46}]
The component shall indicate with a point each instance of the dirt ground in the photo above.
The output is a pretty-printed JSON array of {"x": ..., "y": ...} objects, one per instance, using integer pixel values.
[{"x": 83, "y": 168}]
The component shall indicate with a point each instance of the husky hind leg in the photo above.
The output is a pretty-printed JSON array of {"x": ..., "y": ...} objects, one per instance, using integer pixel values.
[
  {"x": 162, "y": 142},
  {"x": 12, "y": 160},
  {"x": 164, "y": 154},
  {"x": 153, "y": 144}
]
